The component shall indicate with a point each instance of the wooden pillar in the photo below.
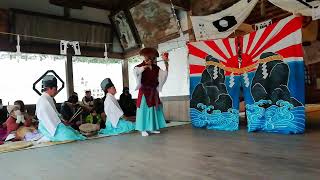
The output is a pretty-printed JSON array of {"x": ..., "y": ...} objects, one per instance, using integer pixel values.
[
  {"x": 69, "y": 68},
  {"x": 66, "y": 12},
  {"x": 192, "y": 36},
  {"x": 125, "y": 73},
  {"x": 69, "y": 75}
]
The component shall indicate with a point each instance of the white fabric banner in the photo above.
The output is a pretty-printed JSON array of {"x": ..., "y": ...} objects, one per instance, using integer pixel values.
[
  {"x": 222, "y": 24},
  {"x": 295, "y": 6},
  {"x": 316, "y": 13}
]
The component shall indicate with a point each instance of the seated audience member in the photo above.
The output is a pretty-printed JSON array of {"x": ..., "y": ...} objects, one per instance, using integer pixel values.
[
  {"x": 115, "y": 122},
  {"x": 127, "y": 104},
  {"x": 3, "y": 113},
  {"x": 27, "y": 117},
  {"x": 71, "y": 112},
  {"x": 74, "y": 93},
  {"x": 95, "y": 115},
  {"x": 3, "y": 117},
  {"x": 11, "y": 123},
  {"x": 50, "y": 125},
  {"x": 17, "y": 125},
  {"x": 87, "y": 100}
]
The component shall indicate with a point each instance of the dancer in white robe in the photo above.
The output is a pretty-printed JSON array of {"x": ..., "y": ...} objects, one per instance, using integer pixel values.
[
  {"x": 115, "y": 122},
  {"x": 50, "y": 124}
]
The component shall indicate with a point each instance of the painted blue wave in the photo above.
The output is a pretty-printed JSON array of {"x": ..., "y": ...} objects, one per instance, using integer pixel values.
[
  {"x": 281, "y": 118},
  {"x": 216, "y": 120}
]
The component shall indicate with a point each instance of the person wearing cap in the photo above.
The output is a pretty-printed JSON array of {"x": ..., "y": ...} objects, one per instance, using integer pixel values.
[
  {"x": 126, "y": 103},
  {"x": 87, "y": 100},
  {"x": 50, "y": 124},
  {"x": 115, "y": 121},
  {"x": 150, "y": 80}
]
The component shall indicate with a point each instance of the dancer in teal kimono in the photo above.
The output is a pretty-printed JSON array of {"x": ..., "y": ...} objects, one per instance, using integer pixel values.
[
  {"x": 150, "y": 80},
  {"x": 115, "y": 122},
  {"x": 50, "y": 124}
]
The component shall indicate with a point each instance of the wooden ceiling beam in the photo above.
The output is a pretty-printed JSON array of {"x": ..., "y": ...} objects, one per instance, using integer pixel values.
[
  {"x": 127, "y": 4},
  {"x": 99, "y": 6},
  {"x": 274, "y": 17},
  {"x": 179, "y": 4},
  {"x": 74, "y": 4}
]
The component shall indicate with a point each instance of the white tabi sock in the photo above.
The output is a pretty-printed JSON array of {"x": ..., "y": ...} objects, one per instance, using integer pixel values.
[
  {"x": 144, "y": 133},
  {"x": 155, "y": 132}
]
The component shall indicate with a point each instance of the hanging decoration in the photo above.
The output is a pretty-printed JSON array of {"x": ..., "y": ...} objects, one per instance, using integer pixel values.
[
  {"x": 96, "y": 60},
  {"x": 105, "y": 52},
  {"x": 76, "y": 47},
  {"x": 154, "y": 22},
  {"x": 177, "y": 20},
  {"x": 222, "y": 24},
  {"x": 18, "y": 45},
  {"x": 125, "y": 30},
  {"x": 64, "y": 47},
  {"x": 180, "y": 42},
  {"x": 75, "y": 44},
  {"x": 177, "y": 43},
  {"x": 270, "y": 71},
  {"x": 218, "y": 25},
  {"x": 297, "y": 6},
  {"x": 316, "y": 13}
]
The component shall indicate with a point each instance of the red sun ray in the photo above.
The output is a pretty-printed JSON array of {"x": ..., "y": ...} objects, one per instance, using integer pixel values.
[
  {"x": 196, "y": 51},
  {"x": 263, "y": 37},
  {"x": 291, "y": 51},
  {"x": 292, "y": 26},
  {"x": 227, "y": 44},
  {"x": 251, "y": 37},
  {"x": 196, "y": 69},
  {"x": 215, "y": 48}
]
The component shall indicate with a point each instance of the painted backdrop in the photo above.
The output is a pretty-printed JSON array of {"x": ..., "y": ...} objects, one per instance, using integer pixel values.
[{"x": 267, "y": 64}]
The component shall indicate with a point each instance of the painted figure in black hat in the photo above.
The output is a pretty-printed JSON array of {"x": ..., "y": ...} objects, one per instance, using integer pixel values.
[
  {"x": 270, "y": 81},
  {"x": 212, "y": 89}
]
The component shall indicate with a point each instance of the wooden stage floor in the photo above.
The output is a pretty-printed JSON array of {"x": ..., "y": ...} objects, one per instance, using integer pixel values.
[{"x": 177, "y": 153}]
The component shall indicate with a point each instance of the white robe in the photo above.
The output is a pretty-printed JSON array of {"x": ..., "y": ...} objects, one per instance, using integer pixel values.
[
  {"x": 162, "y": 77},
  {"x": 46, "y": 112},
  {"x": 112, "y": 110}
]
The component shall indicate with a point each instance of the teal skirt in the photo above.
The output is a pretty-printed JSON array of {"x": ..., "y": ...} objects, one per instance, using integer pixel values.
[
  {"x": 149, "y": 118},
  {"x": 123, "y": 126},
  {"x": 63, "y": 133}
]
